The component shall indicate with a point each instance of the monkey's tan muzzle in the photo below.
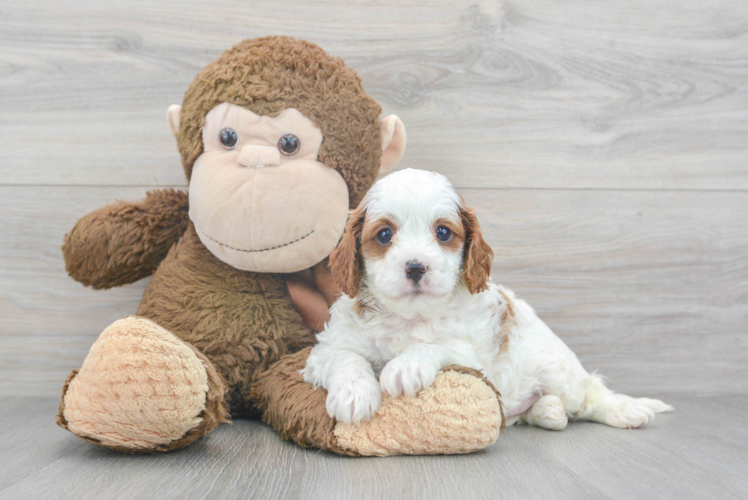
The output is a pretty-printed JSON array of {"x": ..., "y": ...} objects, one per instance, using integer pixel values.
[{"x": 258, "y": 156}]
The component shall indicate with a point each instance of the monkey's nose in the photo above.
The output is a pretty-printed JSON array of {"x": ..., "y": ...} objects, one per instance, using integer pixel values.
[
  {"x": 414, "y": 271},
  {"x": 259, "y": 156}
]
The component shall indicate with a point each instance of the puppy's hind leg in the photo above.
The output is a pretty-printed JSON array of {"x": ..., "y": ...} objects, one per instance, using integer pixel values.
[
  {"x": 548, "y": 413},
  {"x": 616, "y": 410}
]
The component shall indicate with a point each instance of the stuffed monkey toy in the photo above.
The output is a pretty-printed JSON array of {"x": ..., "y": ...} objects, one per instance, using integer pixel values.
[{"x": 278, "y": 140}]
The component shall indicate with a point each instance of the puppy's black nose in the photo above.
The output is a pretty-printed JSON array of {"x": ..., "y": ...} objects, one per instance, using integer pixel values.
[{"x": 414, "y": 271}]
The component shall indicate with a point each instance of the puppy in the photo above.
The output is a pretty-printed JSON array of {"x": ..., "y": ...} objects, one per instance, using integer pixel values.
[{"x": 415, "y": 269}]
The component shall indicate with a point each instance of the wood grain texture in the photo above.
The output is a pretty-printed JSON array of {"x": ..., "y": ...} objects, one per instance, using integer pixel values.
[
  {"x": 645, "y": 288},
  {"x": 639, "y": 94},
  {"x": 681, "y": 455},
  {"x": 603, "y": 143}
]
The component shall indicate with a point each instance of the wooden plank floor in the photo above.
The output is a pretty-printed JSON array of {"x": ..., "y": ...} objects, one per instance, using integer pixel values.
[
  {"x": 604, "y": 144},
  {"x": 698, "y": 452}
]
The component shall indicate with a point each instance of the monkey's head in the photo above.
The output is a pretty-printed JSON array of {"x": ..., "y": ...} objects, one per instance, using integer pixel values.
[{"x": 278, "y": 139}]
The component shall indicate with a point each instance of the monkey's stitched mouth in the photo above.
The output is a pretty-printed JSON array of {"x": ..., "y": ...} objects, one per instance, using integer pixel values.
[{"x": 258, "y": 249}]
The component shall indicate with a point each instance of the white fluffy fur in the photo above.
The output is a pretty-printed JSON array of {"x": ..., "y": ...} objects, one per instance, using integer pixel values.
[{"x": 406, "y": 333}]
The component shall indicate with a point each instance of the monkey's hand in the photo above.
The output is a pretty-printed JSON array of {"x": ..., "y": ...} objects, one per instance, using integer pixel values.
[{"x": 124, "y": 242}]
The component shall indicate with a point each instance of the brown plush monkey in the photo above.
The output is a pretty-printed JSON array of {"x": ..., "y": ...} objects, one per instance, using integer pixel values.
[{"x": 278, "y": 140}]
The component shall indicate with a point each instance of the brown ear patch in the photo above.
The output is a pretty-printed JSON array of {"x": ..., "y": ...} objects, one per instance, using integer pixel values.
[
  {"x": 370, "y": 247},
  {"x": 346, "y": 265},
  {"x": 456, "y": 242},
  {"x": 478, "y": 255}
]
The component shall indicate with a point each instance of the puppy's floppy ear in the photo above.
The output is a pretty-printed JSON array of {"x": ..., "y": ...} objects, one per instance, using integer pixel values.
[
  {"x": 478, "y": 256},
  {"x": 346, "y": 265}
]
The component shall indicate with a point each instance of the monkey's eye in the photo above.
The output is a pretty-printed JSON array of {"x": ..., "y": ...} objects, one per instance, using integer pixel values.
[
  {"x": 443, "y": 234},
  {"x": 289, "y": 144},
  {"x": 384, "y": 236},
  {"x": 229, "y": 138}
]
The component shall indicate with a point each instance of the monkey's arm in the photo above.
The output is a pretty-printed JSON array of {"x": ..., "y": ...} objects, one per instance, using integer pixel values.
[
  {"x": 124, "y": 242},
  {"x": 460, "y": 413}
]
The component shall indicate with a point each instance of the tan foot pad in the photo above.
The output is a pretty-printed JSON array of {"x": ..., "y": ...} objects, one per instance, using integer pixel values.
[
  {"x": 140, "y": 389},
  {"x": 459, "y": 413}
]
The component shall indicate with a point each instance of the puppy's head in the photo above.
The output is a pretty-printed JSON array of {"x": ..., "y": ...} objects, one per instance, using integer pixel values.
[{"x": 412, "y": 240}]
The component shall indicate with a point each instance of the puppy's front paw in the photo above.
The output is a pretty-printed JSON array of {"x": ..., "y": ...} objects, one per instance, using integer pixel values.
[
  {"x": 408, "y": 375},
  {"x": 355, "y": 400}
]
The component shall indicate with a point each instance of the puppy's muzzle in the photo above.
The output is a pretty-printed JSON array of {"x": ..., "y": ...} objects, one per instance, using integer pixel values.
[{"x": 414, "y": 271}]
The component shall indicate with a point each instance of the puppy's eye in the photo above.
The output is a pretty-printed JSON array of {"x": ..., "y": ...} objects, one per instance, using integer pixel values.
[
  {"x": 443, "y": 234},
  {"x": 229, "y": 138},
  {"x": 289, "y": 144},
  {"x": 384, "y": 236}
]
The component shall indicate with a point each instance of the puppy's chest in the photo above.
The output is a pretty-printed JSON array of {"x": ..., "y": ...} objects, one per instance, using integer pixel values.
[{"x": 389, "y": 339}]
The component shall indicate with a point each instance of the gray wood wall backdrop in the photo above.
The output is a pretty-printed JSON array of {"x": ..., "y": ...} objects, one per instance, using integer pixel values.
[{"x": 604, "y": 143}]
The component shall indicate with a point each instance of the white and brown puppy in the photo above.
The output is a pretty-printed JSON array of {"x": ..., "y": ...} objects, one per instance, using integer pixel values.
[{"x": 415, "y": 272}]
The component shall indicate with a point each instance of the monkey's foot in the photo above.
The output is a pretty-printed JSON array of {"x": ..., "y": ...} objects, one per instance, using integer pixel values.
[
  {"x": 460, "y": 413},
  {"x": 141, "y": 390}
]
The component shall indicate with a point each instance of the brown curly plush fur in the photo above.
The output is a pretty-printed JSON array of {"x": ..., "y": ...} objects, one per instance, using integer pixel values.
[
  {"x": 268, "y": 75},
  {"x": 240, "y": 322},
  {"x": 243, "y": 322},
  {"x": 124, "y": 242},
  {"x": 293, "y": 407},
  {"x": 237, "y": 323}
]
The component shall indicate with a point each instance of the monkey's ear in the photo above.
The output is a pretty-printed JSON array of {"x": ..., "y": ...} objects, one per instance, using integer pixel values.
[
  {"x": 393, "y": 142},
  {"x": 345, "y": 261},
  {"x": 172, "y": 118}
]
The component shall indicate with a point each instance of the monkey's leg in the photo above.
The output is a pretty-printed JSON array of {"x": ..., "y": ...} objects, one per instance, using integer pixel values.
[
  {"x": 142, "y": 390},
  {"x": 459, "y": 413}
]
